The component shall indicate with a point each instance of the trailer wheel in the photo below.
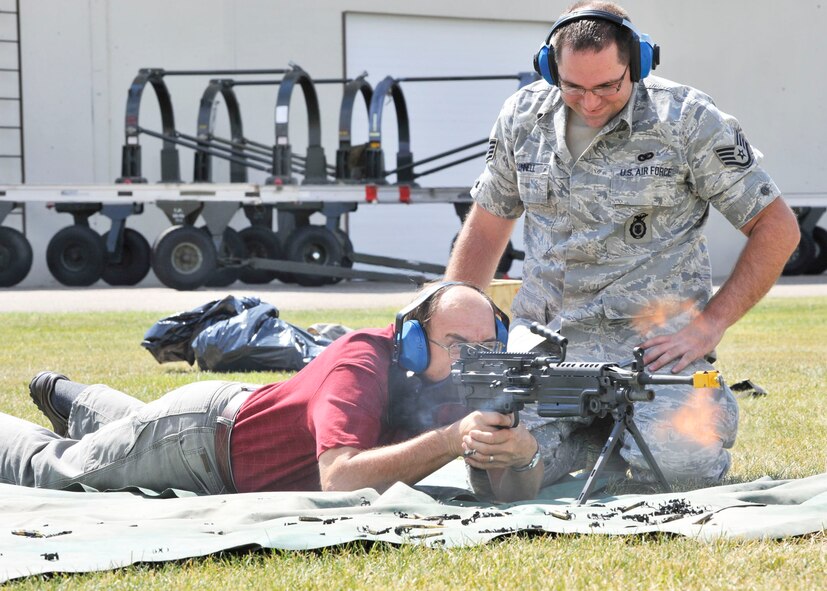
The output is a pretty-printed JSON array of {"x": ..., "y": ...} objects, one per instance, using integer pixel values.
[
  {"x": 316, "y": 245},
  {"x": 76, "y": 256},
  {"x": 15, "y": 257},
  {"x": 183, "y": 257},
  {"x": 232, "y": 250},
  {"x": 802, "y": 257},
  {"x": 819, "y": 264},
  {"x": 136, "y": 258},
  {"x": 260, "y": 242}
]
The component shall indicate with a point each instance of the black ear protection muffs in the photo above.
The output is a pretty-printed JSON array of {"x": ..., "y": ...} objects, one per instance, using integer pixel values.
[
  {"x": 644, "y": 55},
  {"x": 410, "y": 341}
]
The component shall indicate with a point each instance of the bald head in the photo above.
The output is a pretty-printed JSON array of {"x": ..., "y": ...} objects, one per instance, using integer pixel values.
[
  {"x": 459, "y": 314},
  {"x": 462, "y": 301}
]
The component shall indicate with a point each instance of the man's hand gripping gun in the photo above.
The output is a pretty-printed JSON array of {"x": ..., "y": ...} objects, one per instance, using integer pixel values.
[{"x": 506, "y": 382}]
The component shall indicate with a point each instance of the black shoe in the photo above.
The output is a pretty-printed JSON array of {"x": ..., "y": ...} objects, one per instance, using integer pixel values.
[{"x": 41, "y": 389}]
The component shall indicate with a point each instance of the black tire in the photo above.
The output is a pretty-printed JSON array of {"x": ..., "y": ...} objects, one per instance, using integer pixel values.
[
  {"x": 183, "y": 257},
  {"x": 76, "y": 256},
  {"x": 15, "y": 257},
  {"x": 134, "y": 263},
  {"x": 802, "y": 257},
  {"x": 316, "y": 245},
  {"x": 232, "y": 249},
  {"x": 819, "y": 263},
  {"x": 260, "y": 242}
]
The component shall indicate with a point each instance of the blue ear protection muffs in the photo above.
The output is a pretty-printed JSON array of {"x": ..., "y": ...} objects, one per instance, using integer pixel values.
[
  {"x": 644, "y": 55},
  {"x": 410, "y": 341}
]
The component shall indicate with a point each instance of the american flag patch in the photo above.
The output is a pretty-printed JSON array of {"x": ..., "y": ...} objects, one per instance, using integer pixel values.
[
  {"x": 492, "y": 149},
  {"x": 739, "y": 155}
]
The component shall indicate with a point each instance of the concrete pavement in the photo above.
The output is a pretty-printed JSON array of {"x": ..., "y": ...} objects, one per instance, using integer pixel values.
[{"x": 344, "y": 295}]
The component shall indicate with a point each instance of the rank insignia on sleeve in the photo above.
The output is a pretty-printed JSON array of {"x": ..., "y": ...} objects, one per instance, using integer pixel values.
[
  {"x": 492, "y": 149},
  {"x": 739, "y": 155}
]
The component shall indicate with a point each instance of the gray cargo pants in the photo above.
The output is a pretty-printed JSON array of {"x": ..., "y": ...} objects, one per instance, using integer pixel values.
[{"x": 116, "y": 441}]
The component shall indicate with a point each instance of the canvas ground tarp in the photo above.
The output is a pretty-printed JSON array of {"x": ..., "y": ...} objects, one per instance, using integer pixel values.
[{"x": 45, "y": 531}]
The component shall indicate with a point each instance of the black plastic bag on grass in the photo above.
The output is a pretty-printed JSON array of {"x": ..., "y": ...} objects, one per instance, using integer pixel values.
[
  {"x": 170, "y": 339},
  {"x": 256, "y": 340}
]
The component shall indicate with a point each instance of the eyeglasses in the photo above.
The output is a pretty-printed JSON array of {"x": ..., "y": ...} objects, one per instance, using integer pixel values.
[
  {"x": 455, "y": 349},
  {"x": 607, "y": 89}
]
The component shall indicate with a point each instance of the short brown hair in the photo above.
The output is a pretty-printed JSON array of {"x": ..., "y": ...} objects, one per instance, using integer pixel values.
[{"x": 593, "y": 34}]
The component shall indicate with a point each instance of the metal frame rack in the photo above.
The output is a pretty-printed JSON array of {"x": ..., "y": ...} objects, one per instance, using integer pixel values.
[{"x": 185, "y": 256}]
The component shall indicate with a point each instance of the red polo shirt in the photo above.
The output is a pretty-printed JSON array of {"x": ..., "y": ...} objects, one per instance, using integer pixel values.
[{"x": 339, "y": 400}]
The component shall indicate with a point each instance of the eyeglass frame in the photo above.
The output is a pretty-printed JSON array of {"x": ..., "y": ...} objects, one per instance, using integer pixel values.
[
  {"x": 493, "y": 346},
  {"x": 613, "y": 87}
]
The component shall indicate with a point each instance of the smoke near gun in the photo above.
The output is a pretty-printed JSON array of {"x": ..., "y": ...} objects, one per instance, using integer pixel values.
[{"x": 418, "y": 406}]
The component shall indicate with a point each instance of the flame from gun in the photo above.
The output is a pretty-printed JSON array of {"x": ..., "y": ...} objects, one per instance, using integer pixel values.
[{"x": 696, "y": 420}]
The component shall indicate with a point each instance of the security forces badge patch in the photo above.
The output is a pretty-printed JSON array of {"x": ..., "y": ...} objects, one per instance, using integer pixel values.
[
  {"x": 637, "y": 230},
  {"x": 739, "y": 155}
]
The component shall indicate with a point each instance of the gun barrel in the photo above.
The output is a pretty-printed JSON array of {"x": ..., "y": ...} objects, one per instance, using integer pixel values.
[
  {"x": 699, "y": 379},
  {"x": 663, "y": 379}
]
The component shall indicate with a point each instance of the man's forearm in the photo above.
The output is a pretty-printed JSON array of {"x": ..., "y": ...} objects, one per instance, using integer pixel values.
[
  {"x": 509, "y": 486},
  {"x": 771, "y": 241},
  {"x": 471, "y": 261},
  {"x": 409, "y": 462},
  {"x": 478, "y": 249},
  {"x": 771, "y": 237}
]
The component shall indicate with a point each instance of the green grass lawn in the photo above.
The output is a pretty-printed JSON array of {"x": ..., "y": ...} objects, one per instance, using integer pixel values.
[{"x": 781, "y": 345}]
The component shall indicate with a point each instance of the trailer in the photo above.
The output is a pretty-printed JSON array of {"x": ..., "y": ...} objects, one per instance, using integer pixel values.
[
  {"x": 187, "y": 255},
  {"x": 200, "y": 248}
]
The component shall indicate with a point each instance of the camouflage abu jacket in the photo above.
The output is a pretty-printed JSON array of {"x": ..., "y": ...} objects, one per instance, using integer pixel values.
[{"x": 614, "y": 246}]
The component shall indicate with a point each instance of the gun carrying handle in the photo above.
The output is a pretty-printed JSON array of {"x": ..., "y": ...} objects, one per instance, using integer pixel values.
[{"x": 555, "y": 338}]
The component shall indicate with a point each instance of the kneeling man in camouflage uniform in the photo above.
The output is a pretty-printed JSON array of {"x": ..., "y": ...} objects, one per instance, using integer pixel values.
[{"x": 615, "y": 171}]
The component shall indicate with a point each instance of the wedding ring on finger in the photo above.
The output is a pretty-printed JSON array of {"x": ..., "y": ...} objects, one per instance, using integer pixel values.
[{"x": 490, "y": 459}]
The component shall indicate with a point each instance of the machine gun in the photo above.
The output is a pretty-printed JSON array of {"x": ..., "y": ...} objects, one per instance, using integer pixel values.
[{"x": 506, "y": 382}]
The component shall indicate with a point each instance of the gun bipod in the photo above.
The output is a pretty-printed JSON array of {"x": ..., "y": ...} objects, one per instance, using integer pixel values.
[{"x": 624, "y": 420}]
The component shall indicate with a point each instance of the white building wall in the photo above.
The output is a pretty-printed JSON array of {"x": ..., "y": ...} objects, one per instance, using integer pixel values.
[{"x": 760, "y": 62}]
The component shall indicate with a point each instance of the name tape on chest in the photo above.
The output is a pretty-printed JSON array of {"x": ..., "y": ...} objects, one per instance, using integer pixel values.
[{"x": 651, "y": 170}]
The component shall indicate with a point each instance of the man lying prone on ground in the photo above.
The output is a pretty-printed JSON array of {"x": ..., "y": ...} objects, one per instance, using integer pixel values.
[{"x": 368, "y": 412}]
